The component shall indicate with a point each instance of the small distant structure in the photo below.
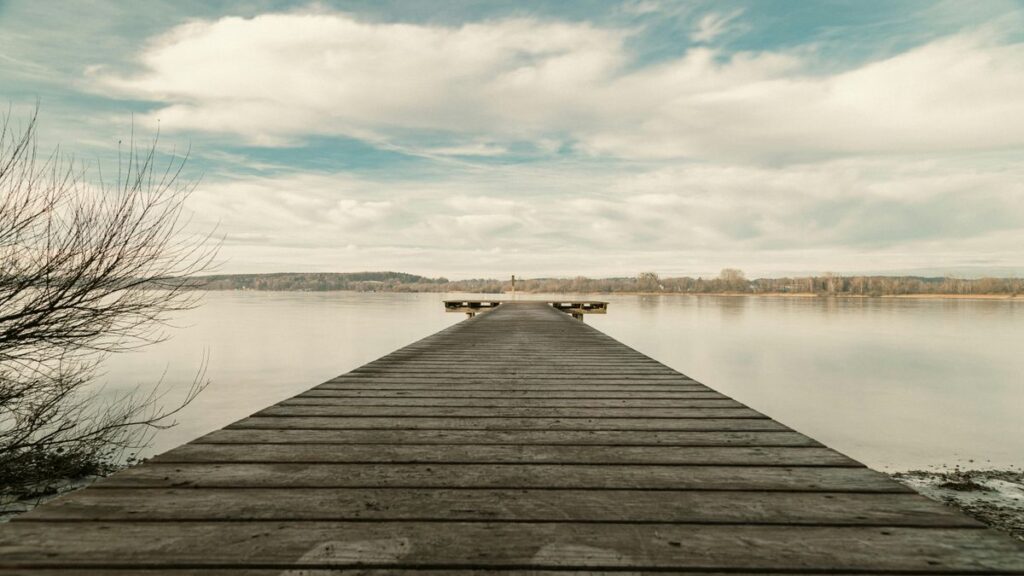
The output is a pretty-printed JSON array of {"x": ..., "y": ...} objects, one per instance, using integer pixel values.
[
  {"x": 575, "y": 308},
  {"x": 470, "y": 307}
]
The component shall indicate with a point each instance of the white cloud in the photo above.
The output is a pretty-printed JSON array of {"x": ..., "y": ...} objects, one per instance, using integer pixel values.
[
  {"x": 947, "y": 96},
  {"x": 642, "y": 7},
  {"x": 844, "y": 215},
  {"x": 713, "y": 25},
  {"x": 277, "y": 78},
  {"x": 472, "y": 149},
  {"x": 329, "y": 73},
  {"x": 907, "y": 161}
]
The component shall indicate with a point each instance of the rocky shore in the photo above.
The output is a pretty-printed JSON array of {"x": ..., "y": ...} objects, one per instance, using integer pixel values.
[{"x": 995, "y": 497}]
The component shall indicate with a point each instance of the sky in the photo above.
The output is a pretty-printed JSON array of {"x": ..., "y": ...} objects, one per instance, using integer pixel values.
[{"x": 597, "y": 138}]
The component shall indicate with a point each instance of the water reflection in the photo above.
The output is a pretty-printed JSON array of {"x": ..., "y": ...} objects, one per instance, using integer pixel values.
[{"x": 732, "y": 307}]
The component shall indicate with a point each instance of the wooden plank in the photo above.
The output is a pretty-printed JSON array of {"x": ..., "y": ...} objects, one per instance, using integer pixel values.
[
  {"x": 604, "y": 353},
  {"x": 590, "y": 476},
  {"x": 541, "y": 370},
  {"x": 371, "y": 572},
  {"x": 511, "y": 412},
  {"x": 511, "y": 371},
  {"x": 497, "y": 454},
  {"x": 546, "y": 546},
  {"x": 519, "y": 505},
  {"x": 462, "y": 423},
  {"x": 553, "y": 373},
  {"x": 514, "y": 402},
  {"x": 507, "y": 394},
  {"x": 443, "y": 361},
  {"x": 524, "y": 356},
  {"x": 511, "y": 385},
  {"x": 515, "y": 437}
]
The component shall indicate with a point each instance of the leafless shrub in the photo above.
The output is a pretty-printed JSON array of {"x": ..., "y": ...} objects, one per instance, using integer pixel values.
[{"x": 86, "y": 270}]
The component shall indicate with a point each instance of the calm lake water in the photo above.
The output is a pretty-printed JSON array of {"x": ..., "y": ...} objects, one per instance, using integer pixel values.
[{"x": 895, "y": 383}]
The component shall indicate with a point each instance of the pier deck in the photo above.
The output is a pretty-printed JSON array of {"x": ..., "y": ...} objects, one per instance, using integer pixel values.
[{"x": 519, "y": 441}]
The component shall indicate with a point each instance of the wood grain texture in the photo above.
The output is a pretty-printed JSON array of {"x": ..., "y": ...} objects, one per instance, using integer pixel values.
[
  {"x": 294, "y": 545},
  {"x": 559, "y": 476},
  {"x": 514, "y": 385},
  {"x": 518, "y": 442},
  {"x": 510, "y": 394},
  {"x": 504, "y": 505},
  {"x": 515, "y": 402},
  {"x": 511, "y": 437},
  {"x": 507, "y": 423},
  {"x": 505, "y": 454},
  {"x": 507, "y": 412}
]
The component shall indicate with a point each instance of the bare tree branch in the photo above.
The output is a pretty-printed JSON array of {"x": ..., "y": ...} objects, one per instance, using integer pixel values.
[{"x": 85, "y": 271}]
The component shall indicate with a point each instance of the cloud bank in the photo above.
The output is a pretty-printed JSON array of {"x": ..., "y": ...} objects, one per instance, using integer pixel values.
[
  {"x": 276, "y": 78},
  {"x": 773, "y": 159}
]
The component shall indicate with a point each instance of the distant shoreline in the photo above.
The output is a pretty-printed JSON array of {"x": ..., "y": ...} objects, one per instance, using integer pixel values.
[
  {"x": 485, "y": 295},
  {"x": 730, "y": 282},
  {"x": 809, "y": 295}
]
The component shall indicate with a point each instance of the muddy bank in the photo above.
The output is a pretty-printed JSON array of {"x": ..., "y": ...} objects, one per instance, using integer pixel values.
[{"x": 995, "y": 497}]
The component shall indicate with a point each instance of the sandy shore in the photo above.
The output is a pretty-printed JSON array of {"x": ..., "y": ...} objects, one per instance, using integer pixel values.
[{"x": 995, "y": 497}]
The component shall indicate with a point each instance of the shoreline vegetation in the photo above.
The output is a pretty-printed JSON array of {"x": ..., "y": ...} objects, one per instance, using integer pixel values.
[{"x": 730, "y": 282}]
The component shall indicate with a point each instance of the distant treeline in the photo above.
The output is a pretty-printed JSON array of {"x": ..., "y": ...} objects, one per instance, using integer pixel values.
[
  {"x": 317, "y": 282},
  {"x": 730, "y": 281}
]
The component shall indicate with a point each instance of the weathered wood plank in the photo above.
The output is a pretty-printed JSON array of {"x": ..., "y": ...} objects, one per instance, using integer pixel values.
[
  {"x": 513, "y": 372},
  {"x": 565, "y": 375},
  {"x": 508, "y": 412},
  {"x": 590, "y": 476},
  {"x": 525, "y": 356},
  {"x": 522, "y": 356},
  {"x": 529, "y": 505},
  {"x": 510, "y": 385},
  {"x": 294, "y": 545},
  {"x": 514, "y": 402},
  {"x": 509, "y": 394},
  {"x": 625, "y": 571},
  {"x": 517, "y": 437},
  {"x": 441, "y": 360},
  {"x": 496, "y": 454},
  {"x": 462, "y": 423},
  {"x": 552, "y": 374}
]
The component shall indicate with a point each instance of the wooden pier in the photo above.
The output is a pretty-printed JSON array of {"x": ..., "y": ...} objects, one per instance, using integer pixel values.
[{"x": 520, "y": 441}]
